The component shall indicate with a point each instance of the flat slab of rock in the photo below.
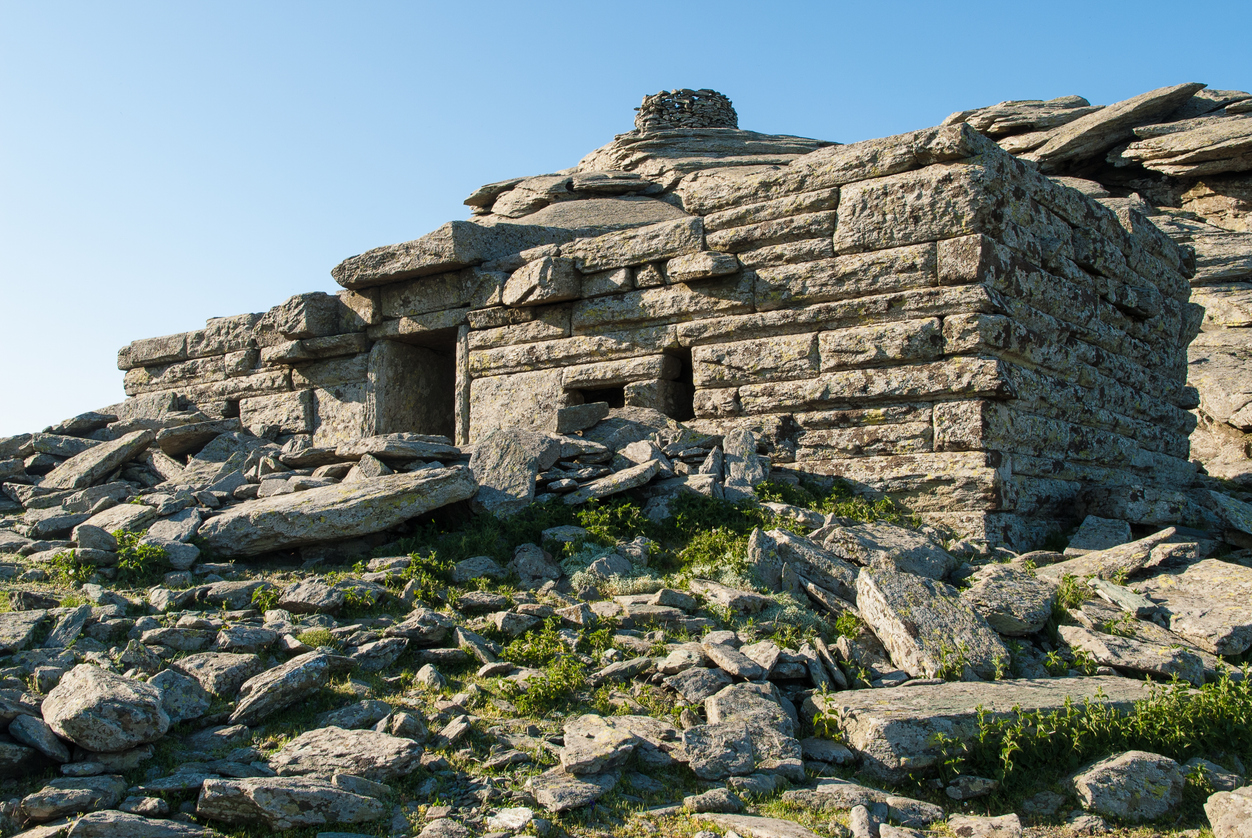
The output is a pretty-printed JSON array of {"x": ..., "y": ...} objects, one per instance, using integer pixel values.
[
  {"x": 1210, "y": 604},
  {"x": 886, "y": 546},
  {"x": 69, "y": 795},
  {"x": 114, "y": 824},
  {"x": 620, "y": 481},
  {"x": 594, "y": 745},
  {"x": 1130, "y": 559},
  {"x": 334, "y": 512},
  {"x": 758, "y": 827},
  {"x": 505, "y": 464},
  {"x": 926, "y": 626},
  {"x": 285, "y": 802},
  {"x": 1098, "y": 533},
  {"x": 17, "y": 629},
  {"x": 280, "y": 687},
  {"x": 1012, "y": 600},
  {"x": 219, "y": 673},
  {"x": 1160, "y": 659},
  {"x": 1230, "y": 813},
  {"x": 94, "y": 464},
  {"x": 102, "y": 711},
  {"x": 558, "y": 791},
  {"x": 363, "y": 753},
  {"x": 894, "y": 730}
]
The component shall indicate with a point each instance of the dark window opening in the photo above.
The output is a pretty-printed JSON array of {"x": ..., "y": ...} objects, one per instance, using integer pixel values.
[
  {"x": 615, "y": 396},
  {"x": 414, "y": 385},
  {"x": 681, "y": 405}
]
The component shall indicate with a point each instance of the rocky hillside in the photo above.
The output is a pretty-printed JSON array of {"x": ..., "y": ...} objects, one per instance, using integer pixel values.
[{"x": 624, "y": 625}]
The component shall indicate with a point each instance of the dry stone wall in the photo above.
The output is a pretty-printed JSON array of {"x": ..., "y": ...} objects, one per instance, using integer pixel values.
[{"x": 923, "y": 315}]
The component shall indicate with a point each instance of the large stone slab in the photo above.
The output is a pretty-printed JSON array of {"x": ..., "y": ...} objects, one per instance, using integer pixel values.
[
  {"x": 94, "y": 464},
  {"x": 363, "y": 753},
  {"x": 759, "y": 827},
  {"x": 1012, "y": 601},
  {"x": 1210, "y": 604},
  {"x": 1166, "y": 661},
  {"x": 926, "y": 626},
  {"x": 284, "y": 802},
  {"x": 882, "y": 545},
  {"x": 894, "y": 731},
  {"x": 505, "y": 464},
  {"x": 101, "y": 711},
  {"x": 114, "y": 824},
  {"x": 334, "y": 512},
  {"x": 280, "y": 687}
]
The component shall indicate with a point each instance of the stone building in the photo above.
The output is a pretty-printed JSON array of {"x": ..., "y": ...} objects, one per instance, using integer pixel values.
[{"x": 924, "y": 315}]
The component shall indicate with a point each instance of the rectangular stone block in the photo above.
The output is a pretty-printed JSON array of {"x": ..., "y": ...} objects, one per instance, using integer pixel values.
[
  {"x": 617, "y": 373},
  {"x": 929, "y": 482},
  {"x": 496, "y": 316},
  {"x": 892, "y": 414},
  {"x": 311, "y": 315},
  {"x": 350, "y": 370},
  {"x": 882, "y": 308},
  {"x": 673, "y": 398},
  {"x": 717, "y": 404},
  {"x": 865, "y": 441},
  {"x": 846, "y": 277},
  {"x": 863, "y": 346},
  {"x": 526, "y": 400},
  {"x": 152, "y": 351},
  {"x": 168, "y": 376},
  {"x": 432, "y": 327},
  {"x": 233, "y": 389},
  {"x": 358, "y": 309},
  {"x": 625, "y": 248},
  {"x": 290, "y": 413},
  {"x": 221, "y": 335},
  {"x": 615, "y": 281},
  {"x": 941, "y": 379},
  {"x": 548, "y": 324},
  {"x": 788, "y": 253},
  {"x": 670, "y": 304},
  {"x": 778, "y": 231},
  {"x": 339, "y": 415},
  {"x": 937, "y": 202},
  {"x": 473, "y": 288},
  {"x": 783, "y": 358},
  {"x": 580, "y": 349},
  {"x": 785, "y": 207}
]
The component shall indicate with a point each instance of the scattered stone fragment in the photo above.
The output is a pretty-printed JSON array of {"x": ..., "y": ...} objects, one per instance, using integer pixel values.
[
  {"x": 362, "y": 753},
  {"x": 1134, "y": 786},
  {"x": 101, "y": 711},
  {"x": 973, "y": 826},
  {"x": 1012, "y": 601},
  {"x": 280, "y": 687},
  {"x": 284, "y": 802}
]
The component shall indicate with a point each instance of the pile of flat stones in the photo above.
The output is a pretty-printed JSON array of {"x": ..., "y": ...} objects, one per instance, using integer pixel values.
[
  {"x": 685, "y": 109},
  {"x": 157, "y": 712}
]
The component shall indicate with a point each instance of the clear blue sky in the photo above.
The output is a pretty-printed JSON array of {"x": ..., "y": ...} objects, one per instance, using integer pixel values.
[{"x": 164, "y": 162}]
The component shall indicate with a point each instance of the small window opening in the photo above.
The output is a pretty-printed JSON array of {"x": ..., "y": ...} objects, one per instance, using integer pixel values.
[{"x": 615, "y": 396}]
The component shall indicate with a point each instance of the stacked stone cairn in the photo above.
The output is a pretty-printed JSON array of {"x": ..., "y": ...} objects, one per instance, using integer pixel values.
[
  {"x": 998, "y": 351},
  {"x": 685, "y": 109}
]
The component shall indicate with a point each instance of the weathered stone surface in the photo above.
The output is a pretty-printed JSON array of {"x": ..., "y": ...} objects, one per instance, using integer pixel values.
[
  {"x": 101, "y": 711},
  {"x": 1012, "y": 601},
  {"x": 1167, "y": 661},
  {"x": 1133, "y": 786},
  {"x": 718, "y": 751},
  {"x": 284, "y": 802},
  {"x": 219, "y": 673},
  {"x": 974, "y": 826},
  {"x": 620, "y": 481},
  {"x": 548, "y": 280},
  {"x": 1095, "y": 132},
  {"x": 558, "y": 791},
  {"x": 70, "y": 795},
  {"x": 759, "y": 827},
  {"x": 1129, "y": 559},
  {"x": 113, "y": 824},
  {"x": 894, "y": 731},
  {"x": 594, "y": 745},
  {"x": 334, "y": 512},
  {"x": 94, "y": 464},
  {"x": 17, "y": 629},
  {"x": 280, "y": 687},
  {"x": 696, "y": 683},
  {"x": 362, "y": 753},
  {"x": 634, "y": 247},
  {"x": 926, "y": 627},
  {"x": 887, "y": 546},
  {"x": 182, "y": 697},
  {"x": 505, "y": 465},
  {"x": 1230, "y": 813},
  {"x": 704, "y": 265},
  {"x": 1214, "y": 147},
  {"x": 1210, "y": 604},
  {"x": 34, "y": 731}
]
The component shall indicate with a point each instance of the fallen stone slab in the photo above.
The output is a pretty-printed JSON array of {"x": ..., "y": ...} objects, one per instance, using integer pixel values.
[
  {"x": 17, "y": 629},
  {"x": 1098, "y": 533},
  {"x": 895, "y": 731},
  {"x": 334, "y": 512},
  {"x": 741, "y": 602},
  {"x": 363, "y": 753},
  {"x": 1130, "y": 654},
  {"x": 399, "y": 448},
  {"x": 594, "y": 745},
  {"x": 558, "y": 791},
  {"x": 94, "y": 464},
  {"x": 280, "y": 687},
  {"x": 219, "y": 673},
  {"x": 102, "y": 711},
  {"x": 1210, "y": 604},
  {"x": 835, "y": 794},
  {"x": 1126, "y": 560},
  {"x": 926, "y": 627},
  {"x": 506, "y": 463},
  {"x": 754, "y": 826},
  {"x": 815, "y": 564},
  {"x": 881, "y": 545},
  {"x": 114, "y": 824},
  {"x": 70, "y": 795},
  {"x": 620, "y": 481},
  {"x": 977, "y": 826},
  {"x": 1012, "y": 600},
  {"x": 285, "y": 802}
]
